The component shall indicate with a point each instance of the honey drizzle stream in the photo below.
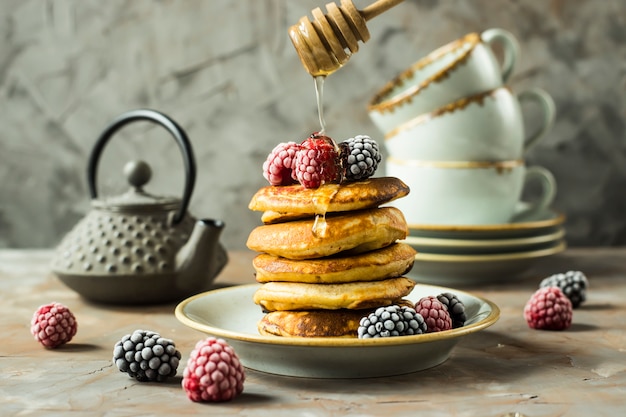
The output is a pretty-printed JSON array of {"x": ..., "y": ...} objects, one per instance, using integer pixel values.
[
  {"x": 319, "y": 95},
  {"x": 324, "y": 194}
]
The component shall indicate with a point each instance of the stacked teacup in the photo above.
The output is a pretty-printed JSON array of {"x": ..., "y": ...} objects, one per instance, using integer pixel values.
[{"x": 455, "y": 133}]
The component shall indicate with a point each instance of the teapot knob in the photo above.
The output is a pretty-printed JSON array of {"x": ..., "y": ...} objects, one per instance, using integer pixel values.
[
  {"x": 138, "y": 173},
  {"x": 174, "y": 129}
]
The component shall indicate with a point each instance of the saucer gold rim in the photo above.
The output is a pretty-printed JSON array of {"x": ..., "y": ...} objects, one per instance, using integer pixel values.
[
  {"x": 539, "y": 253},
  {"x": 529, "y": 225},
  {"x": 484, "y": 243}
]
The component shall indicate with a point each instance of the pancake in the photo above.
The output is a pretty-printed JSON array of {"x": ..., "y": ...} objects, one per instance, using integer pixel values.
[
  {"x": 356, "y": 232},
  {"x": 271, "y": 217},
  {"x": 289, "y": 200},
  {"x": 312, "y": 323},
  {"x": 392, "y": 261},
  {"x": 273, "y": 296}
]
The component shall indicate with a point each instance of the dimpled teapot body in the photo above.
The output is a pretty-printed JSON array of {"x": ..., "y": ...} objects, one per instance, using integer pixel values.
[
  {"x": 138, "y": 248},
  {"x": 107, "y": 243}
]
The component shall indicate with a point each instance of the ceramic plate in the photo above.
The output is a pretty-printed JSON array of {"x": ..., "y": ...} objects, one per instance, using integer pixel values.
[
  {"x": 445, "y": 269},
  {"x": 231, "y": 314},
  {"x": 484, "y": 246},
  {"x": 544, "y": 222}
]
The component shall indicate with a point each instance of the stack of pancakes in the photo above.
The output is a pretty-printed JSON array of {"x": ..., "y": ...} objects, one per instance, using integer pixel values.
[{"x": 329, "y": 255}]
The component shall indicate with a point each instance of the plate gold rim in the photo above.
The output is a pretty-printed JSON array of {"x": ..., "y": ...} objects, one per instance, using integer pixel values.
[{"x": 337, "y": 342}]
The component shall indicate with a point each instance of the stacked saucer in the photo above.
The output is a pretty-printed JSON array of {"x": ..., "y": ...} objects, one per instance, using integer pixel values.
[{"x": 476, "y": 254}]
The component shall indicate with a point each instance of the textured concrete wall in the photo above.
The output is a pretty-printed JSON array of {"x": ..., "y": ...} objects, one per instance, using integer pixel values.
[{"x": 227, "y": 72}]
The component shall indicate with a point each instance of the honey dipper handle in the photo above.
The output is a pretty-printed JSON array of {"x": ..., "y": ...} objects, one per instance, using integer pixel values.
[{"x": 378, "y": 7}]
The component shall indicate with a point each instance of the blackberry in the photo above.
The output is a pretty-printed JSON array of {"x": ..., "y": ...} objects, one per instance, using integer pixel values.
[
  {"x": 361, "y": 157},
  {"x": 391, "y": 321},
  {"x": 146, "y": 356},
  {"x": 573, "y": 284},
  {"x": 455, "y": 307}
]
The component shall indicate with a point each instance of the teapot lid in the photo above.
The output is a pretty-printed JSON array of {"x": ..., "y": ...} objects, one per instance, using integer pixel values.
[{"x": 138, "y": 173}]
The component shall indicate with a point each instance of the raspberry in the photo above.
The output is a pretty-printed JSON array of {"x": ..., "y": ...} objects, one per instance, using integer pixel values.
[
  {"x": 573, "y": 284},
  {"x": 316, "y": 162},
  {"x": 391, "y": 321},
  {"x": 146, "y": 356},
  {"x": 213, "y": 372},
  {"x": 278, "y": 167},
  {"x": 435, "y": 314},
  {"x": 361, "y": 158},
  {"x": 53, "y": 325},
  {"x": 548, "y": 309},
  {"x": 455, "y": 307}
]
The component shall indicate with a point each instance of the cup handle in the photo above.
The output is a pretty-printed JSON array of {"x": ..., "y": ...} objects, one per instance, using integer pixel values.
[
  {"x": 510, "y": 48},
  {"x": 548, "y": 109},
  {"x": 548, "y": 192}
]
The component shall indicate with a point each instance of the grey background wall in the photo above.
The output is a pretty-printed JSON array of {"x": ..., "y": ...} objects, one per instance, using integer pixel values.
[{"x": 227, "y": 72}]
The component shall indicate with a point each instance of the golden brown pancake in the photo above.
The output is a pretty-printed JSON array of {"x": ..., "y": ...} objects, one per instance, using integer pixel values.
[
  {"x": 290, "y": 200},
  {"x": 271, "y": 217},
  {"x": 273, "y": 296},
  {"x": 316, "y": 323},
  {"x": 312, "y": 323},
  {"x": 392, "y": 261},
  {"x": 357, "y": 232}
]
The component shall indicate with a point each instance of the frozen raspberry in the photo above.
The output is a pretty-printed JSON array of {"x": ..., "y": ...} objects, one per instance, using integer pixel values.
[
  {"x": 391, "y": 321},
  {"x": 146, "y": 356},
  {"x": 573, "y": 284},
  {"x": 361, "y": 157},
  {"x": 455, "y": 307},
  {"x": 213, "y": 372},
  {"x": 316, "y": 162},
  {"x": 548, "y": 309},
  {"x": 53, "y": 325},
  {"x": 278, "y": 167},
  {"x": 435, "y": 314}
]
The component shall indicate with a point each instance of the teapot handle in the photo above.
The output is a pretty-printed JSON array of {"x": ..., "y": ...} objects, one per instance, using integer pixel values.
[{"x": 159, "y": 118}]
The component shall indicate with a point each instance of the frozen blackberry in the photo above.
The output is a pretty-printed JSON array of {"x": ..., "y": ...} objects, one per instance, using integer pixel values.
[
  {"x": 146, "y": 356},
  {"x": 361, "y": 157},
  {"x": 391, "y": 321},
  {"x": 455, "y": 307},
  {"x": 573, "y": 284}
]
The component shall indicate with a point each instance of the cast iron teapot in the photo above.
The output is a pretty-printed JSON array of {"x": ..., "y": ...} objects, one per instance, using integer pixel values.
[{"x": 138, "y": 248}]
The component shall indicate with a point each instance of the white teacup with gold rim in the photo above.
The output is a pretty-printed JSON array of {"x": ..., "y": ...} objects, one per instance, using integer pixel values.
[
  {"x": 464, "y": 67},
  {"x": 487, "y": 126},
  {"x": 468, "y": 192}
]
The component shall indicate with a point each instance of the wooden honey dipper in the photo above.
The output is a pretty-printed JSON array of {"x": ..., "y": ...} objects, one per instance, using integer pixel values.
[{"x": 323, "y": 43}]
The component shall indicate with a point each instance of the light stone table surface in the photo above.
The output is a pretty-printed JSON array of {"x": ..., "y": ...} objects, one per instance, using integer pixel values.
[{"x": 507, "y": 368}]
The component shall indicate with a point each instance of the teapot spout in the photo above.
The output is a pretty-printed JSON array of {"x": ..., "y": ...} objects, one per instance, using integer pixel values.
[{"x": 202, "y": 258}]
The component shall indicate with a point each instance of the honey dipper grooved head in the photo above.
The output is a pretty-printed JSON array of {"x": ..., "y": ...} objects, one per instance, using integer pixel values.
[{"x": 325, "y": 44}]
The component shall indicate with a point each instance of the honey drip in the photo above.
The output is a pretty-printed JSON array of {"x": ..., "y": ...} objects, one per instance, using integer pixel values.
[
  {"x": 321, "y": 201},
  {"x": 320, "y": 226}
]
